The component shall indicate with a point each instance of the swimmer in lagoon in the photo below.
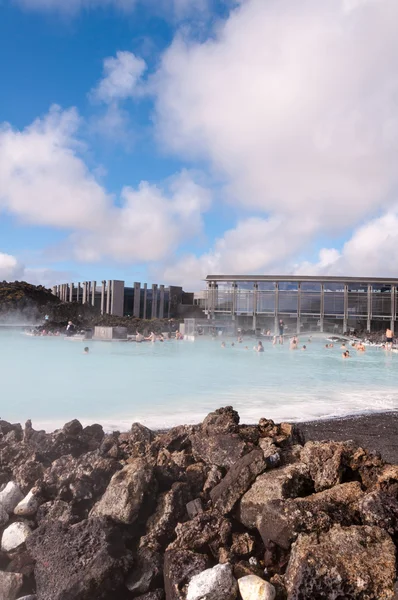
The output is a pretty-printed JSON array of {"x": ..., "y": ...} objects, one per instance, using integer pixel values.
[
  {"x": 293, "y": 343},
  {"x": 342, "y": 347},
  {"x": 281, "y": 330},
  {"x": 151, "y": 337},
  {"x": 222, "y": 344},
  {"x": 260, "y": 347},
  {"x": 304, "y": 348},
  {"x": 86, "y": 350},
  {"x": 139, "y": 337},
  {"x": 346, "y": 354}
]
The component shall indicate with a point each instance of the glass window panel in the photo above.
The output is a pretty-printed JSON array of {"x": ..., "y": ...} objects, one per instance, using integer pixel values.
[
  {"x": 357, "y": 303},
  {"x": 287, "y": 302},
  {"x": 265, "y": 302},
  {"x": 334, "y": 287},
  {"x": 224, "y": 300},
  {"x": 311, "y": 303},
  {"x": 381, "y": 303},
  {"x": 288, "y": 285},
  {"x": 334, "y": 303},
  {"x": 266, "y": 286},
  {"x": 381, "y": 287},
  {"x": 361, "y": 288},
  {"x": 310, "y": 286},
  {"x": 244, "y": 301}
]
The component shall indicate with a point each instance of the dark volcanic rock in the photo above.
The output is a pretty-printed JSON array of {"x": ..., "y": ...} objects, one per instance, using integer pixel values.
[
  {"x": 126, "y": 492},
  {"x": 147, "y": 571},
  {"x": 170, "y": 509},
  {"x": 327, "y": 462},
  {"x": 290, "y": 481},
  {"x": 10, "y": 585},
  {"x": 237, "y": 481},
  {"x": 82, "y": 562},
  {"x": 220, "y": 449},
  {"x": 155, "y": 595},
  {"x": 79, "y": 479},
  {"x": 222, "y": 420},
  {"x": 136, "y": 442},
  {"x": 381, "y": 509},
  {"x": 354, "y": 563},
  {"x": 179, "y": 568},
  {"x": 207, "y": 532},
  {"x": 56, "y": 510}
]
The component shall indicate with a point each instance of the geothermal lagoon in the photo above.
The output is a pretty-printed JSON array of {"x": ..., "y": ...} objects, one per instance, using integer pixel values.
[{"x": 50, "y": 380}]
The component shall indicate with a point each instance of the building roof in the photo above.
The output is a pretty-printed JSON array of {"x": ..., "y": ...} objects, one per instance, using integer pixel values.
[{"x": 299, "y": 278}]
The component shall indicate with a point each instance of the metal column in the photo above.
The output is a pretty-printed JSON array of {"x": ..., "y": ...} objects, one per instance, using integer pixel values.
[
  {"x": 145, "y": 300},
  {"x": 276, "y": 308},
  {"x": 322, "y": 315},
  {"x": 161, "y": 301},
  {"x": 137, "y": 299},
  {"x": 345, "y": 317},
  {"x": 154, "y": 301},
  {"x": 298, "y": 308},
  {"x": 108, "y": 297},
  {"x": 93, "y": 288},
  {"x": 103, "y": 297},
  {"x": 255, "y": 289},
  {"x": 369, "y": 307}
]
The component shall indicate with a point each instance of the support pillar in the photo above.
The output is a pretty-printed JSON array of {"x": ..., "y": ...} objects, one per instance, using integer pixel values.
[
  {"x": 276, "y": 308},
  {"x": 145, "y": 300},
  {"x": 322, "y": 314},
  {"x": 154, "y": 301},
  {"x": 298, "y": 309},
  {"x": 234, "y": 300},
  {"x": 112, "y": 296},
  {"x": 393, "y": 307},
  {"x": 108, "y": 297},
  {"x": 369, "y": 308},
  {"x": 84, "y": 300},
  {"x": 161, "y": 301},
  {"x": 345, "y": 317},
  {"x": 255, "y": 289},
  {"x": 103, "y": 297},
  {"x": 71, "y": 286},
  {"x": 78, "y": 294},
  {"x": 54, "y": 290},
  {"x": 137, "y": 299},
  {"x": 93, "y": 289}
]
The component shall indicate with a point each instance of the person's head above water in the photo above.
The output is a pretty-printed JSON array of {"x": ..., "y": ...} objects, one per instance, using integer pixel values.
[{"x": 86, "y": 350}]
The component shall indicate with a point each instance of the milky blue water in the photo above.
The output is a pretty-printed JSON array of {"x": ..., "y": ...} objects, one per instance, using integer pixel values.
[{"x": 51, "y": 381}]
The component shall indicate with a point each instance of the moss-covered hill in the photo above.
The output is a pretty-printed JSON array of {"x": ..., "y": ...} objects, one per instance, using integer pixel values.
[{"x": 24, "y": 299}]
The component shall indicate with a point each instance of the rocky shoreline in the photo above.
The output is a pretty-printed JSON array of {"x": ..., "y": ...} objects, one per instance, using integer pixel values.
[{"x": 215, "y": 511}]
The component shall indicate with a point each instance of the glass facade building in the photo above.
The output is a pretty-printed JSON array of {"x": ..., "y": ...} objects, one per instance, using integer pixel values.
[{"x": 325, "y": 304}]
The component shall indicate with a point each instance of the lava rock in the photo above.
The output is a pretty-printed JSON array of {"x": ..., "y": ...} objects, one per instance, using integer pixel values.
[
  {"x": 21, "y": 562},
  {"x": 147, "y": 571},
  {"x": 290, "y": 481},
  {"x": 252, "y": 587},
  {"x": 237, "y": 481},
  {"x": 170, "y": 509},
  {"x": 217, "y": 583},
  {"x": 4, "y": 517},
  {"x": 380, "y": 509},
  {"x": 14, "y": 536},
  {"x": 155, "y": 595},
  {"x": 80, "y": 562},
  {"x": 10, "y": 497},
  {"x": 126, "y": 493},
  {"x": 56, "y": 510},
  {"x": 10, "y": 585},
  {"x": 179, "y": 568},
  {"x": 73, "y": 428},
  {"x": 222, "y": 420},
  {"x": 136, "y": 442},
  {"x": 282, "y": 520},
  {"x": 220, "y": 449},
  {"x": 28, "y": 506},
  {"x": 242, "y": 544},
  {"x": 353, "y": 563},
  {"x": 195, "y": 507},
  {"x": 207, "y": 532},
  {"x": 327, "y": 462}
]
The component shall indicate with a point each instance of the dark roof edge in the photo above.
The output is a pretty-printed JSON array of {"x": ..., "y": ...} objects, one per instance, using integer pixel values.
[{"x": 319, "y": 278}]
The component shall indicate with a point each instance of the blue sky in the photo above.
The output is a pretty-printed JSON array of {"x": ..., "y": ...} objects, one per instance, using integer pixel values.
[{"x": 161, "y": 141}]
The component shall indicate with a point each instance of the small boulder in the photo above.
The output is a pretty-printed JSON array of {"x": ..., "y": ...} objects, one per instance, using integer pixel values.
[
  {"x": 56, "y": 510},
  {"x": 327, "y": 462},
  {"x": 87, "y": 560},
  {"x": 73, "y": 428},
  {"x": 30, "y": 597},
  {"x": 125, "y": 493},
  {"x": 353, "y": 563},
  {"x": 195, "y": 507},
  {"x": 237, "y": 481},
  {"x": 220, "y": 449},
  {"x": 155, "y": 595},
  {"x": 179, "y": 568},
  {"x": 252, "y": 587},
  {"x": 10, "y": 585},
  {"x": 380, "y": 509},
  {"x": 10, "y": 497},
  {"x": 14, "y": 536},
  {"x": 4, "y": 517},
  {"x": 170, "y": 509},
  {"x": 146, "y": 572},
  {"x": 28, "y": 506},
  {"x": 242, "y": 544},
  {"x": 217, "y": 583},
  {"x": 207, "y": 532},
  {"x": 222, "y": 420},
  {"x": 290, "y": 481}
]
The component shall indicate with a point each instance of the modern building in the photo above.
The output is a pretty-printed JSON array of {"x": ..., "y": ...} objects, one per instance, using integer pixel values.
[
  {"x": 112, "y": 297},
  {"x": 305, "y": 303}
]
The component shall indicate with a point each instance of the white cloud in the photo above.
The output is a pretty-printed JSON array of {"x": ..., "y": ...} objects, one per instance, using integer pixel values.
[
  {"x": 294, "y": 104},
  {"x": 44, "y": 181},
  {"x": 372, "y": 250},
  {"x": 121, "y": 76},
  {"x": 10, "y": 268}
]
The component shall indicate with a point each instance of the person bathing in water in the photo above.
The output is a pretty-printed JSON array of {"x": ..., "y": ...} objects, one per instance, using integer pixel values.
[
  {"x": 293, "y": 343},
  {"x": 389, "y": 337},
  {"x": 281, "y": 329},
  {"x": 86, "y": 350},
  {"x": 260, "y": 347},
  {"x": 151, "y": 337}
]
